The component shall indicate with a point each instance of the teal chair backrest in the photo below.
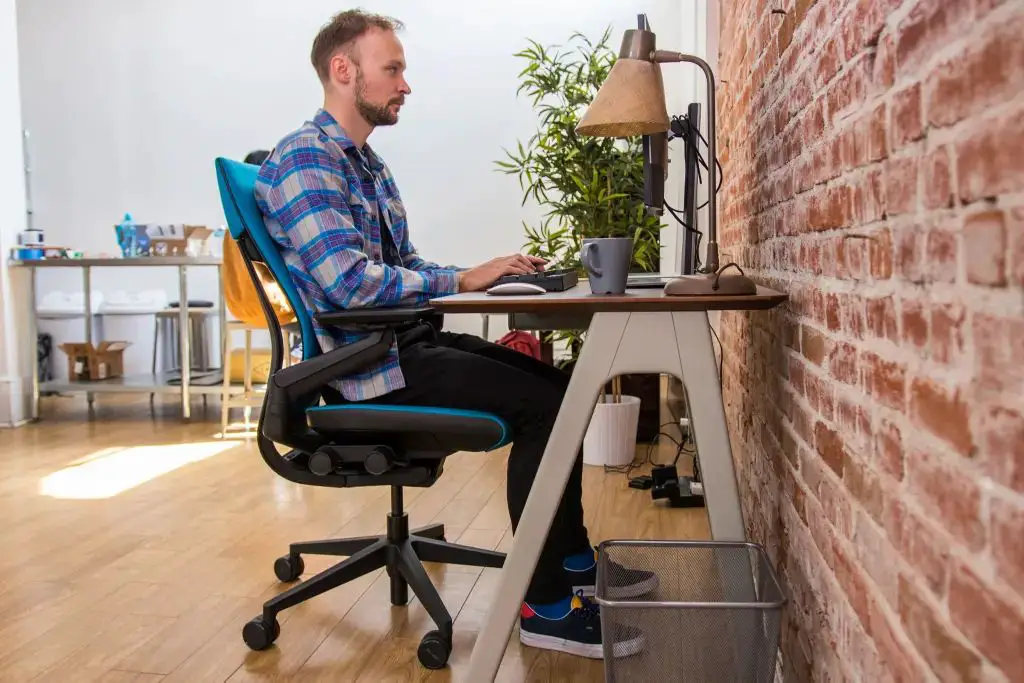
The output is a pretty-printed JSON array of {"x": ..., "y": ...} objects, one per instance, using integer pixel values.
[{"x": 237, "y": 183}]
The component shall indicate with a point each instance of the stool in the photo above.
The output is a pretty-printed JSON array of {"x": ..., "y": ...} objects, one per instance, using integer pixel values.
[{"x": 199, "y": 348}]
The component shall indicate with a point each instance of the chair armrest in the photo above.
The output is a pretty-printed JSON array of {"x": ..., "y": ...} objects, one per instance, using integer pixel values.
[
  {"x": 377, "y": 318},
  {"x": 310, "y": 375}
]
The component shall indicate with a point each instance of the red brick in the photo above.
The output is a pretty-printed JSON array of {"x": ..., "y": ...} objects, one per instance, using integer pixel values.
[
  {"x": 941, "y": 248},
  {"x": 896, "y": 652},
  {"x": 948, "y": 494},
  {"x": 984, "y": 74},
  {"x": 988, "y": 159},
  {"x": 849, "y": 90},
  {"x": 885, "y": 63},
  {"x": 930, "y": 25},
  {"x": 994, "y": 626},
  {"x": 901, "y": 184},
  {"x": 853, "y": 583},
  {"x": 985, "y": 245},
  {"x": 950, "y": 658},
  {"x": 884, "y": 381},
  {"x": 842, "y": 363},
  {"x": 998, "y": 354},
  {"x": 1007, "y": 548},
  {"x": 923, "y": 548},
  {"x": 830, "y": 447},
  {"x": 944, "y": 412},
  {"x": 888, "y": 450},
  {"x": 868, "y": 202},
  {"x": 915, "y": 323},
  {"x": 827, "y": 65},
  {"x": 813, "y": 344},
  {"x": 876, "y": 146},
  {"x": 938, "y": 180},
  {"x": 881, "y": 255},
  {"x": 865, "y": 486},
  {"x": 1001, "y": 435},
  {"x": 906, "y": 123},
  {"x": 833, "y": 316},
  {"x": 881, "y": 318},
  {"x": 1015, "y": 229},
  {"x": 947, "y": 332}
]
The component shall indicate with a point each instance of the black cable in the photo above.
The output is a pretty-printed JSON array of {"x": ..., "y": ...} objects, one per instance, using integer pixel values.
[{"x": 721, "y": 358}]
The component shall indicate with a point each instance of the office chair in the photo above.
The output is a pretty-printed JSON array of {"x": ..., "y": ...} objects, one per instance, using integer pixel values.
[{"x": 351, "y": 444}]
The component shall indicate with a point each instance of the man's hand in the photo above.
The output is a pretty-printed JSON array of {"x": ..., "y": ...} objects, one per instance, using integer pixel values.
[{"x": 484, "y": 275}]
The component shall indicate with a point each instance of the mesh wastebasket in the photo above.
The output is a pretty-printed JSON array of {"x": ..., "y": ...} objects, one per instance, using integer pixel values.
[{"x": 713, "y": 616}]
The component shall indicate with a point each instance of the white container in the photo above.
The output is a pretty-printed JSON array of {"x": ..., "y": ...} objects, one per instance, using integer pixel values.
[{"x": 611, "y": 436}]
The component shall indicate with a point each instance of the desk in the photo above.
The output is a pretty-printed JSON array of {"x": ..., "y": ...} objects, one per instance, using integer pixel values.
[
  {"x": 155, "y": 383},
  {"x": 642, "y": 331}
]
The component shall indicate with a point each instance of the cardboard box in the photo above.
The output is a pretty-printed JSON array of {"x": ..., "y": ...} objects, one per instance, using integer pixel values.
[
  {"x": 89, "y": 363},
  {"x": 174, "y": 240}
]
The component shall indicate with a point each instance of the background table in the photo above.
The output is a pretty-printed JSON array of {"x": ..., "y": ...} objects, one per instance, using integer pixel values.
[
  {"x": 641, "y": 331},
  {"x": 154, "y": 383}
]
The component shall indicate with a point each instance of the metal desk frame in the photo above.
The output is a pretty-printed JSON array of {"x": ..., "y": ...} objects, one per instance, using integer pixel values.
[
  {"x": 642, "y": 331},
  {"x": 130, "y": 384}
]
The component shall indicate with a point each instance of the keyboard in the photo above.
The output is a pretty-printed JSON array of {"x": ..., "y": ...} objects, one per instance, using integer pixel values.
[{"x": 551, "y": 280}]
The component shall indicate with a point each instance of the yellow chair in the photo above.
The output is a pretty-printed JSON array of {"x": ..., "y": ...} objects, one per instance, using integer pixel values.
[{"x": 243, "y": 304}]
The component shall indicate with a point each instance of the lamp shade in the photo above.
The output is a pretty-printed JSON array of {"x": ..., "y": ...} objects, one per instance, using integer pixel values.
[{"x": 631, "y": 101}]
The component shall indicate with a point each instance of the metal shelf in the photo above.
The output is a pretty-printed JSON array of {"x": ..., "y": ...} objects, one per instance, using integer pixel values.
[{"x": 142, "y": 384}]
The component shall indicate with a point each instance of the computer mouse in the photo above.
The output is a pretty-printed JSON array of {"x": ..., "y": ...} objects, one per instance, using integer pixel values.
[{"x": 513, "y": 288}]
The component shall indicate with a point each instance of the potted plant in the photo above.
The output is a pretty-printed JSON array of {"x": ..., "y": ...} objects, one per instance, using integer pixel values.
[{"x": 587, "y": 187}]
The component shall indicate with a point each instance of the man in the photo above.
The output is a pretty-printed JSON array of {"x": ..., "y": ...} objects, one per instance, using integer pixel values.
[{"x": 333, "y": 206}]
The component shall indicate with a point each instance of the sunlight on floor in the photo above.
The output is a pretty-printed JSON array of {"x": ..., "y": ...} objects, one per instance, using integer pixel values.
[{"x": 111, "y": 471}]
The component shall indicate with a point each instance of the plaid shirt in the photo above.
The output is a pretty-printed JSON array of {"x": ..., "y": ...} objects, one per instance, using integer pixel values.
[{"x": 321, "y": 197}]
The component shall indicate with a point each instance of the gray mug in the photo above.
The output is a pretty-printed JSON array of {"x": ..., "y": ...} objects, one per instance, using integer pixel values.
[{"x": 606, "y": 260}]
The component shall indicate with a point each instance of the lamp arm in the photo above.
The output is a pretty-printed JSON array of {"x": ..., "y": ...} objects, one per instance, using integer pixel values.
[{"x": 666, "y": 56}]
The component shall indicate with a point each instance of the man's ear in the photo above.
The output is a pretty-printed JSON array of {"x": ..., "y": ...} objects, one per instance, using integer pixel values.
[{"x": 341, "y": 67}]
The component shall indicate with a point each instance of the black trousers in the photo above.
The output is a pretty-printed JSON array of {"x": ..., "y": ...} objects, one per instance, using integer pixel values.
[{"x": 465, "y": 372}]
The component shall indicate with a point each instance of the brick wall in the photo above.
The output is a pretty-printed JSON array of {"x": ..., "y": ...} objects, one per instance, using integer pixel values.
[{"x": 873, "y": 154}]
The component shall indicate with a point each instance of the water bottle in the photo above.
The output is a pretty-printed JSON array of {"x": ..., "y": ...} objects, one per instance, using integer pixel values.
[{"x": 126, "y": 236}]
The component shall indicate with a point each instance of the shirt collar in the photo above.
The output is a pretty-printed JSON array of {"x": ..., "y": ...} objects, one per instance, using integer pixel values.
[{"x": 332, "y": 128}]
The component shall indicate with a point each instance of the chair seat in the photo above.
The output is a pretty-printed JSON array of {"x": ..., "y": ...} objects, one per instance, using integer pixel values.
[{"x": 421, "y": 427}]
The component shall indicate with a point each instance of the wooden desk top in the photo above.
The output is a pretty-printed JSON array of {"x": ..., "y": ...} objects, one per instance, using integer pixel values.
[{"x": 580, "y": 300}]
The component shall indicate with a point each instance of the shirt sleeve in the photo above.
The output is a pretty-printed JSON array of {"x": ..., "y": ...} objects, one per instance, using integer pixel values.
[{"x": 306, "y": 199}]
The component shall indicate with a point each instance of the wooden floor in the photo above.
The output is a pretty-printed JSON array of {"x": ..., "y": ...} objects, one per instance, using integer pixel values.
[{"x": 135, "y": 547}]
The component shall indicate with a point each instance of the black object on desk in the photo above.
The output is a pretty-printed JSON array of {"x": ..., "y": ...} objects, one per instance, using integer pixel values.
[{"x": 551, "y": 280}]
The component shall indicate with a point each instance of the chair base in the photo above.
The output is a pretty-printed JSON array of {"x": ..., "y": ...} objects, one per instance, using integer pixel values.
[{"x": 401, "y": 552}]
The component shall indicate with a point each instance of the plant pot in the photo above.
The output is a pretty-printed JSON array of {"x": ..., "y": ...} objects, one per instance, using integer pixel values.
[{"x": 611, "y": 435}]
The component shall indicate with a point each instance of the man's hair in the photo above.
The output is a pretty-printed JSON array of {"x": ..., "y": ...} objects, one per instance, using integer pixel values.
[{"x": 340, "y": 32}]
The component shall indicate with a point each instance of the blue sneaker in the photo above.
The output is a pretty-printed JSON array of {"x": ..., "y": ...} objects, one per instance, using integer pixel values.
[
  {"x": 624, "y": 582},
  {"x": 574, "y": 627}
]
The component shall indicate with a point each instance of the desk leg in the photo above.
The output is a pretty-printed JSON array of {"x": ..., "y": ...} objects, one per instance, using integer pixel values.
[
  {"x": 87, "y": 283},
  {"x": 707, "y": 420},
  {"x": 587, "y": 381},
  {"x": 33, "y": 331},
  {"x": 618, "y": 344},
  {"x": 183, "y": 343}
]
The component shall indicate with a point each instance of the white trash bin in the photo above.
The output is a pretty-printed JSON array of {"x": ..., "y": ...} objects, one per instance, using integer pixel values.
[{"x": 611, "y": 436}]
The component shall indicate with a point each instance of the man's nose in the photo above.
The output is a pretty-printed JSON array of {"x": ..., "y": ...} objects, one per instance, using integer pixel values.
[{"x": 404, "y": 87}]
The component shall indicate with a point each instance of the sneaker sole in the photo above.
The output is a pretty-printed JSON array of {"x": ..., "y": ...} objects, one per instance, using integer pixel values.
[
  {"x": 623, "y": 648},
  {"x": 631, "y": 591}
]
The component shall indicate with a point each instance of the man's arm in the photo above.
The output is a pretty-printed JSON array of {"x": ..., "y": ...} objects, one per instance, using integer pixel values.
[{"x": 306, "y": 199}]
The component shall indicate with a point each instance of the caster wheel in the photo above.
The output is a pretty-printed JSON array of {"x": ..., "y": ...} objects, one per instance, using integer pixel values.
[
  {"x": 258, "y": 634},
  {"x": 289, "y": 567},
  {"x": 434, "y": 650}
]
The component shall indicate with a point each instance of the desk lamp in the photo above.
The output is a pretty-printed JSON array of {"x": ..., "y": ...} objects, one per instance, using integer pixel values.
[{"x": 631, "y": 102}]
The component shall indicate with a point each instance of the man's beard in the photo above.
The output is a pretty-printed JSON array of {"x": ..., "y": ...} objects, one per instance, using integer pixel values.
[{"x": 374, "y": 114}]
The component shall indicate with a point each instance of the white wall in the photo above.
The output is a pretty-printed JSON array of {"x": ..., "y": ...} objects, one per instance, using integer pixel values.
[
  {"x": 129, "y": 102},
  {"x": 12, "y": 214}
]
